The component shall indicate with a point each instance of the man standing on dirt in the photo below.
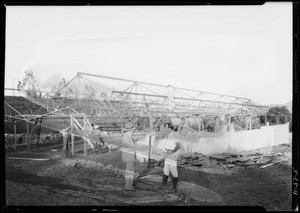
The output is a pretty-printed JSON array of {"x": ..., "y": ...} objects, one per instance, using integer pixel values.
[
  {"x": 129, "y": 156},
  {"x": 171, "y": 165},
  {"x": 66, "y": 139}
]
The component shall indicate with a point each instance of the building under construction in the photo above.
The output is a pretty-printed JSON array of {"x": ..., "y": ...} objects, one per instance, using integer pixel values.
[{"x": 96, "y": 106}]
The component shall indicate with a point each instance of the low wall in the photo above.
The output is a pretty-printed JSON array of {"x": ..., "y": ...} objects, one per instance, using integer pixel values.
[{"x": 232, "y": 142}]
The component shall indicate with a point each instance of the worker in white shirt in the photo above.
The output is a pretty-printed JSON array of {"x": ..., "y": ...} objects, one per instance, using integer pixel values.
[
  {"x": 171, "y": 95},
  {"x": 171, "y": 165}
]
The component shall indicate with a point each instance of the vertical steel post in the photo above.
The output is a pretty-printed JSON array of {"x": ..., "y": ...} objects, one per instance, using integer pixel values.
[
  {"x": 72, "y": 136},
  {"x": 149, "y": 153},
  {"x": 84, "y": 126},
  {"x": 15, "y": 134},
  {"x": 27, "y": 135},
  {"x": 38, "y": 131}
]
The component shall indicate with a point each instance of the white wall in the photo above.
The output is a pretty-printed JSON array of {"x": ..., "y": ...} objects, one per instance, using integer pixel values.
[{"x": 231, "y": 141}]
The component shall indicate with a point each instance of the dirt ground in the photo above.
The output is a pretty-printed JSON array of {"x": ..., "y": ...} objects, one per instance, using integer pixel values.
[{"x": 97, "y": 180}]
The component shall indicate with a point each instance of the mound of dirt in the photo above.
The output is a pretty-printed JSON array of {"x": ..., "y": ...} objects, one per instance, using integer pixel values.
[{"x": 198, "y": 192}]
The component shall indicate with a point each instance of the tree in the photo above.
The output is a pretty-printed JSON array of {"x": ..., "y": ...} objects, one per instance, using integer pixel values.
[
  {"x": 279, "y": 111},
  {"x": 89, "y": 92},
  {"x": 29, "y": 85},
  {"x": 62, "y": 88}
]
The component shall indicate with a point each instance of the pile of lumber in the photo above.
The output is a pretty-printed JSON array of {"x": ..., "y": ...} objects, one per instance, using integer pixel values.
[
  {"x": 227, "y": 161},
  {"x": 195, "y": 159}
]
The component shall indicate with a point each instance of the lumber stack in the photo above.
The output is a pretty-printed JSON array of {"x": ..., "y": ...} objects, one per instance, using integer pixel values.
[{"x": 228, "y": 161}]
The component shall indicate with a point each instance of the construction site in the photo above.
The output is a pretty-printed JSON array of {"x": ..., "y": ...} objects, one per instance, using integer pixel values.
[{"x": 236, "y": 151}]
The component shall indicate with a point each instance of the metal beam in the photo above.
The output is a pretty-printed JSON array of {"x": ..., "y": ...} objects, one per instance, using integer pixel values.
[
  {"x": 19, "y": 90},
  {"x": 159, "y": 85},
  {"x": 119, "y": 79},
  {"x": 12, "y": 108},
  {"x": 43, "y": 106},
  {"x": 190, "y": 99}
]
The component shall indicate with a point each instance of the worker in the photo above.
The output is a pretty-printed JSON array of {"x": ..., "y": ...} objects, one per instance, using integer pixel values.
[
  {"x": 129, "y": 156},
  {"x": 37, "y": 127},
  {"x": 66, "y": 139},
  {"x": 182, "y": 124},
  {"x": 171, "y": 165},
  {"x": 171, "y": 96}
]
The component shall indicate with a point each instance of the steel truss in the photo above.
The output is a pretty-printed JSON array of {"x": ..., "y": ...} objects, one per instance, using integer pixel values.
[{"x": 82, "y": 95}]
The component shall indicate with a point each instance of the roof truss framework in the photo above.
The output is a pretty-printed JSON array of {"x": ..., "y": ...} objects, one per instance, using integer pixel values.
[
  {"x": 142, "y": 96},
  {"x": 129, "y": 98}
]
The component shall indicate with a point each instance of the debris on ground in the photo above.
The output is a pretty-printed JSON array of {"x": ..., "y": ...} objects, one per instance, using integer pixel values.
[
  {"x": 99, "y": 180},
  {"x": 200, "y": 162}
]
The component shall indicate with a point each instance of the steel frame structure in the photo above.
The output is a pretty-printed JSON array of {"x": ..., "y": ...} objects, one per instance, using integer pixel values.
[
  {"x": 138, "y": 99},
  {"x": 142, "y": 98}
]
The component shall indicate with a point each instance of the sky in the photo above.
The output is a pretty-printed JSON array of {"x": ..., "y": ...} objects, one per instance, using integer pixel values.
[{"x": 243, "y": 51}]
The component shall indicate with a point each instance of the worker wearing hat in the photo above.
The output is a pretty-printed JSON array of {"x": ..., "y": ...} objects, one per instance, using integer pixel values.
[
  {"x": 171, "y": 165},
  {"x": 129, "y": 156}
]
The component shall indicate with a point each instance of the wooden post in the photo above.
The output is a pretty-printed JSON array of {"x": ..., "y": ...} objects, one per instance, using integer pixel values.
[
  {"x": 27, "y": 136},
  {"x": 84, "y": 126},
  {"x": 72, "y": 136},
  {"x": 151, "y": 129},
  {"x": 149, "y": 153},
  {"x": 91, "y": 107},
  {"x": 286, "y": 119},
  {"x": 151, "y": 124},
  {"x": 199, "y": 124},
  {"x": 15, "y": 134},
  {"x": 229, "y": 123},
  {"x": 39, "y": 127},
  {"x": 265, "y": 120},
  {"x": 277, "y": 120},
  {"x": 122, "y": 126},
  {"x": 250, "y": 123},
  {"x": 192, "y": 136}
]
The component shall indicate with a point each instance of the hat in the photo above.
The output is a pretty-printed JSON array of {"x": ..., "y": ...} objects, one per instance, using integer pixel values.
[
  {"x": 130, "y": 126},
  {"x": 178, "y": 143}
]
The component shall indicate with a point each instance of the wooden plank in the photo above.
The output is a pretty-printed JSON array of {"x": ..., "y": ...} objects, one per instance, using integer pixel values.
[
  {"x": 37, "y": 159},
  {"x": 244, "y": 159},
  {"x": 232, "y": 160},
  {"x": 270, "y": 164},
  {"x": 76, "y": 122},
  {"x": 218, "y": 158},
  {"x": 230, "y": 165},
  {"x": 197, "y": 164},
  {"x": 223, "y": 166}
]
